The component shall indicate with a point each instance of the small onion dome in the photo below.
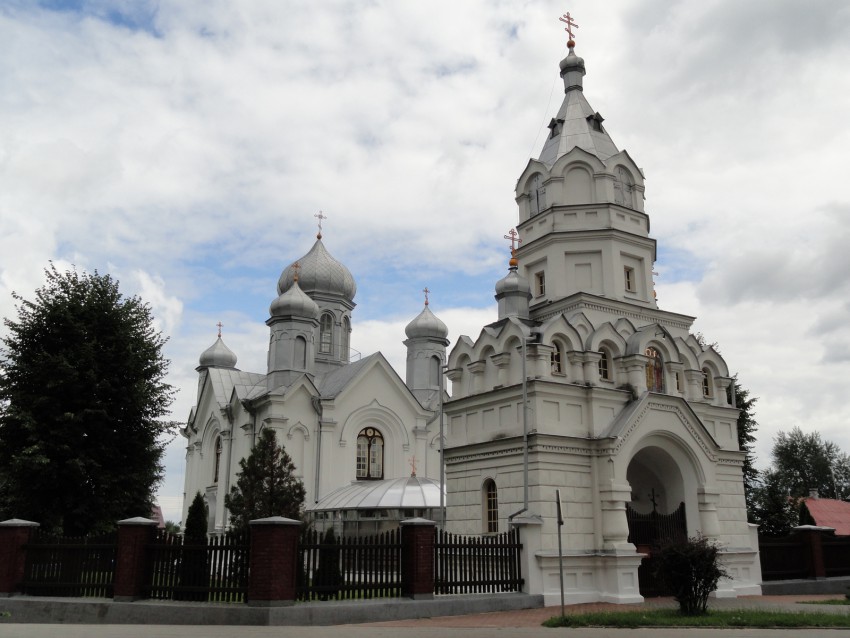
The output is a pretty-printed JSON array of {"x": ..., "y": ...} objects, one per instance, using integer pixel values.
[
  {"x": 513, "y": 282},
  {"x": 294, "y": 302},
  {"x": 572, "y": 61},
  {"x": 318, "y": 272},
  {"x": 426, "y": 324},
  {"x": 218, "y": 355}
]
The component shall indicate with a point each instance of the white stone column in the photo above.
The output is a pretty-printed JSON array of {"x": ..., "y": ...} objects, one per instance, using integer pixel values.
[
  {"x": 708, "y": 496},
  {"x": 591, "y": 367},
  {"x": 576, "y": 360},
  {"x": 476, "y": 369},
  {"x": 693, "y": 385},
  {"x": 721, "y": 392},
  {"x": 455, "y": 375},
  {"x": 502, "y": 361},
  {"x": 635, "y": 367},
  {"x": 615, "y": 527},
  {"x": 223, "y": 481}
]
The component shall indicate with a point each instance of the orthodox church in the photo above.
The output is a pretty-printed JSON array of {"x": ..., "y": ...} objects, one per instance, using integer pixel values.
[
  {"x": 585, "y": 389},
  {"x": 352, "y": 426},
  {"x": 584, "y": 398}
]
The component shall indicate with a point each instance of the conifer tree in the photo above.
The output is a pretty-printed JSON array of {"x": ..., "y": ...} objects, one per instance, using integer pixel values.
[
  {"x": 266, "y": 485},
  {"x": 82, "y": 397}
]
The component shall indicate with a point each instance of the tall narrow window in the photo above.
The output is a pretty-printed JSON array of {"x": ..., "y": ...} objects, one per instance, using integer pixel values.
[
  {"x": 557, "y": 358},
  {"x": 370, "y": 454},
  {"x": 654, "y": 371},
  {"x": 604, "y": 367},
  {"x": 345, "y": 345},
  {"x": 536, "y": 194},
  {"x": 217, "y": 463},
  {"x": 434, "y": 373},
  {"x": 491, "y": 507},
  {"x": 540, "y": 283},
  {"x": 326, "y": 325},
  {"x": 629, "y": 279},
  {"x": 300, "y": 358},
  {"x": 706, "y": 383}
]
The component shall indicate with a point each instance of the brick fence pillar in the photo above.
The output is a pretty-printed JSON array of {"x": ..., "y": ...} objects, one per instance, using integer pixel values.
[
  {"x": 14, "y": 535},
  {"x": 134, "y": 535},
  {"x": 274, "y": 561},
  {"x": 417, "y": 558},
  {"x": 810, "y": 538}
]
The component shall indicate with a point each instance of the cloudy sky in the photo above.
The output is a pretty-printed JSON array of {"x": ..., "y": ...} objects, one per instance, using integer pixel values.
[{"x": 184, "y": 146}]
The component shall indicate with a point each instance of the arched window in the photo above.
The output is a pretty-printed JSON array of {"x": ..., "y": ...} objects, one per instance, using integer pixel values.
[
  {"x": 654, "y": 371},
  {"x": 300, "y": 358},
  {"x": 605, "y": 365},
  {"x": 345, "y": 344},
  {"x": 217, "y": 462},
  {"x": 326, "y": 325},
  {"x": 557, "y": 358},
  {"x": 370, "y": 454},
  {"x": 624, "y": 187},
  {"x": 491, "y": 507},
  {"x": 706, "y": 383},
  {"x": 434, "y": 372}
]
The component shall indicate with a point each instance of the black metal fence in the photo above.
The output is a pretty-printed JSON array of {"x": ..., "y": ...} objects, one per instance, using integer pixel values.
[
  {"x": 349, "y": 568},
  {"x": 477, "y": 564},
  {"x": 69, "y": 566},
  {"x": 213, "y": 572}
]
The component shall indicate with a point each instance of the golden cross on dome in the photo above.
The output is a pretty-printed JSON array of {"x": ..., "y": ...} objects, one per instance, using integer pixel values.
[
  {"x": 320, "y": 217},
  {"x": 297, "y": 268},
  {"x": 219, "y": 324},
  {"x": 568, "y": 20},
  {"x": 413, "y": 466},
  {"x": 427, "y": 292},
  {"x": 515, "y": 240}
]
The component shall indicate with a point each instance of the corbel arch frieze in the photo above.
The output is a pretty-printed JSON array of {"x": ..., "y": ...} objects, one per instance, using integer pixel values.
[
  {"x": 656, "y": 336},
  {"x": 687, "y": 355},
  {"x": 606, "y": 334},
  {"x": 712, "y": 360}
]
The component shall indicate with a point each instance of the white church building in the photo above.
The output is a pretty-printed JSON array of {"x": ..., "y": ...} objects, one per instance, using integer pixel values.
[
  {"x": 627, "y": 415},
  {"x": 364, "y": 442},
  {"x": 582, "y": 387}
]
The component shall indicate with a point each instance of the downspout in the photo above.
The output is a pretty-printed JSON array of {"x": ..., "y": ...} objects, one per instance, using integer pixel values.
[
  {"x": 524, "y": 433},
  {"x": 228, "y": 411},
  {"x": 442, "y": 459},
  {"x": 317, "y": 406}
]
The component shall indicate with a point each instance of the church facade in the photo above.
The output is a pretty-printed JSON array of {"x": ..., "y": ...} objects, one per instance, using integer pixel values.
[
  {"x": 352, "y": 426},
  {"x": 585, "y": 388}
]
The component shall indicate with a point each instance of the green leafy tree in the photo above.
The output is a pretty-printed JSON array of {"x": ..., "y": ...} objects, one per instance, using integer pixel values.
[
  {"x": 82, "y": 396},
  {"x": 772, "y": 508},
  {"x": 266, "y": 485},
  {"x": 804, "y": 462}
]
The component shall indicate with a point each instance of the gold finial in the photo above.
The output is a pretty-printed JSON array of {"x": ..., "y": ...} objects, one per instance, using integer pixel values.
[
  {"x": 320, "y": 217},
  {"x": 219, "y": 324},
  {"x": 297, "y": 267},
  {"x": 413, "y": 466},
  {"x": 427, "y": 292},
  {"x": 568, "y": 20}
]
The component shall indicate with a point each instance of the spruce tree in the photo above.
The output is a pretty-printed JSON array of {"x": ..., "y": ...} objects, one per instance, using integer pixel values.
[
  {"x": 266, "y": 485},
  {"x": 82, "y": 397}
]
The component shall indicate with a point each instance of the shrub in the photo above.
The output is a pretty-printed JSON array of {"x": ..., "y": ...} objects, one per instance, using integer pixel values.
[{"x": 690, "y": 568}]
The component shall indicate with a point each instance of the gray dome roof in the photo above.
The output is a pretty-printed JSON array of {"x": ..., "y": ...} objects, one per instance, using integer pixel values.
[
  {"x": 294, "y": 302},
  {"x": 319, "y": 273},
  {"x": 513, "y": 282},
  {"x": 218, "y": 355},
  {"x": 572, "y": 61},
  {"x": 398, "y": 493},
  {"x": 426, "y": 324}
]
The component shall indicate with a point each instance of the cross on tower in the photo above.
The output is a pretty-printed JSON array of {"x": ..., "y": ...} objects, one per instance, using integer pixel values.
[
  {"x": 568, "y": 20},
  {"x": 219, "y": 324},
  {"x": 320, "y": 217},
  {"x": 515, "y": 240},
  {"x": 426, "y": 291},
  {"x": 297, "y": 268},
  {"x": 413, "y": 466}
]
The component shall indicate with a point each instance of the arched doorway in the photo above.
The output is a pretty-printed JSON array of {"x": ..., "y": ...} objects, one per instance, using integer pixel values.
[{"x": 663, "y": 501}]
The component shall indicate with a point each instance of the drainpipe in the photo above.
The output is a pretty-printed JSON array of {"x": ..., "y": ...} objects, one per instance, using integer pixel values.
[
  {"x": 524, "y": 432},
  {"x": 317, "y": 406},
  {"x": 443, "y": 368}
]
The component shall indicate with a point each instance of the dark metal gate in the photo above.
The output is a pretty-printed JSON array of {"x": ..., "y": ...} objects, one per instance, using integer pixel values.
[{"x": 648, "y": 532}]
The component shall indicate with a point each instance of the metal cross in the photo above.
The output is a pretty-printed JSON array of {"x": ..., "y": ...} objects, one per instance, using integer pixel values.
[
  {"x": 426, "y": 291},
  {"x": 219, "y": 324},
  {"x": 297, "y": 268},
  {"x": 567, "y": 19},
  {"x": 515, "y": 240},
  {"x": 653, "y": 499},
  {"x": 320, "y": 217},
  {"x": 413, "y": 466}
]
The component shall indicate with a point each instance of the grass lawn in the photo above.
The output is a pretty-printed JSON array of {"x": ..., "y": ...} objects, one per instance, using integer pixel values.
[{"x": 720, "y": 618}]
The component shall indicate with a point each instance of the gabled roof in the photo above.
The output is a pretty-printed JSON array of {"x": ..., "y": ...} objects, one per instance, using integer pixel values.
[
  {"x": 829, "y": 512},
  {"x": 224, "y": 381},
  {"x": 332, "y": 383}
]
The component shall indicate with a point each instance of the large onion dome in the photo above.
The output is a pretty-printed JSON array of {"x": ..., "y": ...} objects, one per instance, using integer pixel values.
[
  {"x": 218, "y": 355},
  {"x": 318, "y": 272},
  {"x": 426, "y": 324},
  {"x": 294, "y": 302}
]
